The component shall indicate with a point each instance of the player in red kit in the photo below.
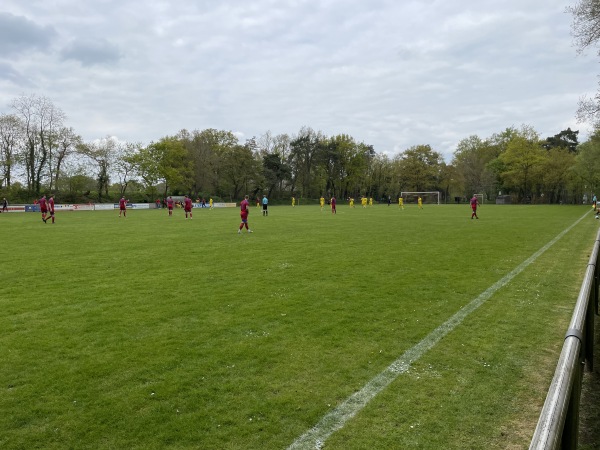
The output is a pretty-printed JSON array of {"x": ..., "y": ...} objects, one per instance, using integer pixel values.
[
  {"x": 187, "y": 206},
  {"x": 43, "y": 207},
  {"x": 51, "y": 207},
  {"x": 474, "y": 204},
  {"x": 170, "y": 203},
  {"x": 244, "y": 215},
  {"x": 333, "y": 210},
  {"x": 123, "y": 207}
]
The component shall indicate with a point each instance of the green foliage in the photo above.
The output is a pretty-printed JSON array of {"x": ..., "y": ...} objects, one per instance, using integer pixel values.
[
  {"x": 165, "y": 161},
  {"x": 275, "y": 172},
  {"x": 566, "y": 139},
  {"x": 420, "y": 168},
  {"x": 587, "y": 164},
  {"x": 309, "y": 164},
  {"x": 523, "y": 161},
  {"x": 558, "y": 174},
  {"x": 239, "y": 171},
  {"x": 304, "y": 152},
  {"x": 472, "y": 167}
]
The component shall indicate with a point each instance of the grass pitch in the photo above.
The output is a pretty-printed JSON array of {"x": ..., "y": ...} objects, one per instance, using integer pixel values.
[{"x": 154, "y": 332}]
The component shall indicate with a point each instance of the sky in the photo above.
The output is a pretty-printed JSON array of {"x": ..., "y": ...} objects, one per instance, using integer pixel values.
[{"x": 392, "y": 74}]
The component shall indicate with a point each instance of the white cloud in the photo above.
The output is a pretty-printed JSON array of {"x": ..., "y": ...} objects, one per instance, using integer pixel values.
[
  {"x": 90, "y": 52},
  {"x": 391, "y": 74},
  {"x": 20, "y": 35}
]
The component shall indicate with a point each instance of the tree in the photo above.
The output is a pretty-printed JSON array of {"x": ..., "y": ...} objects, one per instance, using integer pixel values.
[
  {"x": 269, "y": 145},
  {"x": 420, "y": 167},
  {"x": 449, "y": 180},
  {"x": 523, "y": 159},
  {"x": 41, "y": 120},
  {"x": 165, "y": 161},
  {"x": 345, "y": 165},
  {"x": 329, "y": 161},
  {"x": 354, "y": 164},
  {"x": 587, "y": 162},
  {"x": 471, "y": 162},
  {"x": 11, "y": 141},
  {"x": 275, "y": 171},
  {"x": 78, "y": 184},
  {"x": 103, "y": 153},
  {"x": 124, "y": 166},
  {"x": 557, "y": 174},
  {"x": 303, "y": 154},
  {"x": 204, "y": 149},
  {"x": 239, "y": 169},
  {"x": 585, "y": 30},
  {"x": 381, "y": 179},
  {"x": 586, "y": 23},
  {"x": 565, "y": 139},
  {"x": 67, "y": 143}
]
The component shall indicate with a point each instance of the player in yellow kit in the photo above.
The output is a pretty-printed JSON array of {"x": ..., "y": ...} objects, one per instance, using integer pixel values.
[
  {"x": 293, "y": 201},
  {"x": 370, "y": 201},
  {"x": 322, "y": 202},
  {"x": 210, "y": 203},
  {"x": 420, "y": 203},
  {"x": 400, "y": 202},
  {"x": 351, "y": 202},
  {"x": 363, "y": 202}
]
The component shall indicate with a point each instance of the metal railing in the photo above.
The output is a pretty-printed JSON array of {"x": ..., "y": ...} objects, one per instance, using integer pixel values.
[{"x": 558, "y": 425}]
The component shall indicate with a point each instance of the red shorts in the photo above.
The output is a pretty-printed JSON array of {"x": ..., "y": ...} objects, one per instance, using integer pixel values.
[
  {"x": 188, "y": 209},
  {"x": 44, "y": 210}
]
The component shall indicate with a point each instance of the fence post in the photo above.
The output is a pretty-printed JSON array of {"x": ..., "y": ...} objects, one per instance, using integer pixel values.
[
  {"x": 588, "y": 345},
  {"x": 570, "y": 434}
]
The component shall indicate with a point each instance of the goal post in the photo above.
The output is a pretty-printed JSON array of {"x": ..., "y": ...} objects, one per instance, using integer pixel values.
[{"x": 426, "y": 196}]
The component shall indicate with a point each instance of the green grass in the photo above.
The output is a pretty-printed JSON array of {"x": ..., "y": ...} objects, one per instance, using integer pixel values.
[{"x": 155, "y": 332}]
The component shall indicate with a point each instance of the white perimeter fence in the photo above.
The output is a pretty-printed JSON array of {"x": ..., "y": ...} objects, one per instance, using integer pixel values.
[{"x": 103, "y": 206}]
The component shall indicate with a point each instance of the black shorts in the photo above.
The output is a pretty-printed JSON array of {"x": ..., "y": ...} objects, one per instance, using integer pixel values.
[{"x": 265, "y": 207}]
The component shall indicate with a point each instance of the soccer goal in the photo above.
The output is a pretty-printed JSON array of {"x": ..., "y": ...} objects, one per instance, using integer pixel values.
[
  {"x": 480, "y": 198},
  {"x": 427, "y": 197}
]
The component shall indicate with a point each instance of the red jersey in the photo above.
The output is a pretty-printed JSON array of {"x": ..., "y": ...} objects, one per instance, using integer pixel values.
[
  {"x": 188, "y": 204},
  {"x": 170, "y": 203},
  {"x": 42, "y": 202},
  {"x": 122, "y": 203},
  {"x": 51, "y": 204},
  {"x": 333, "y": 202},
  {"x": 244, "y": 209},
  {"x": 474, "y": 202}
]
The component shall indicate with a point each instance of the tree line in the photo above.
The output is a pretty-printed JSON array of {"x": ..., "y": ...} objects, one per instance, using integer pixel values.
[{"x": 39, "y": 154}]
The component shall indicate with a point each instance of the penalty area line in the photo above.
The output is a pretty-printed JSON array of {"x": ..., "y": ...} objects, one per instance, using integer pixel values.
[{"x": 315, "y": 438}]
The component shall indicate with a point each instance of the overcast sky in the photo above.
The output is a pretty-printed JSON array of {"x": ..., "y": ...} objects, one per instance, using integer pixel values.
[{"x": 390, "y": 73}]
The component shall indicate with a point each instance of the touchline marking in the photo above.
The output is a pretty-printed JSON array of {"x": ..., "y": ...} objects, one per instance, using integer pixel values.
[{"x": 337, "y": 418}]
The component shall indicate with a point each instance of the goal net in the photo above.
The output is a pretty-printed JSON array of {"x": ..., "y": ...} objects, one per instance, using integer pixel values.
[{"x": 431, "y": 197}]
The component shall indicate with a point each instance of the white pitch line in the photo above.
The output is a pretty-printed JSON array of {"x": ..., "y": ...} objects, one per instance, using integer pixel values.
[{"x": 314, "y": 438}]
